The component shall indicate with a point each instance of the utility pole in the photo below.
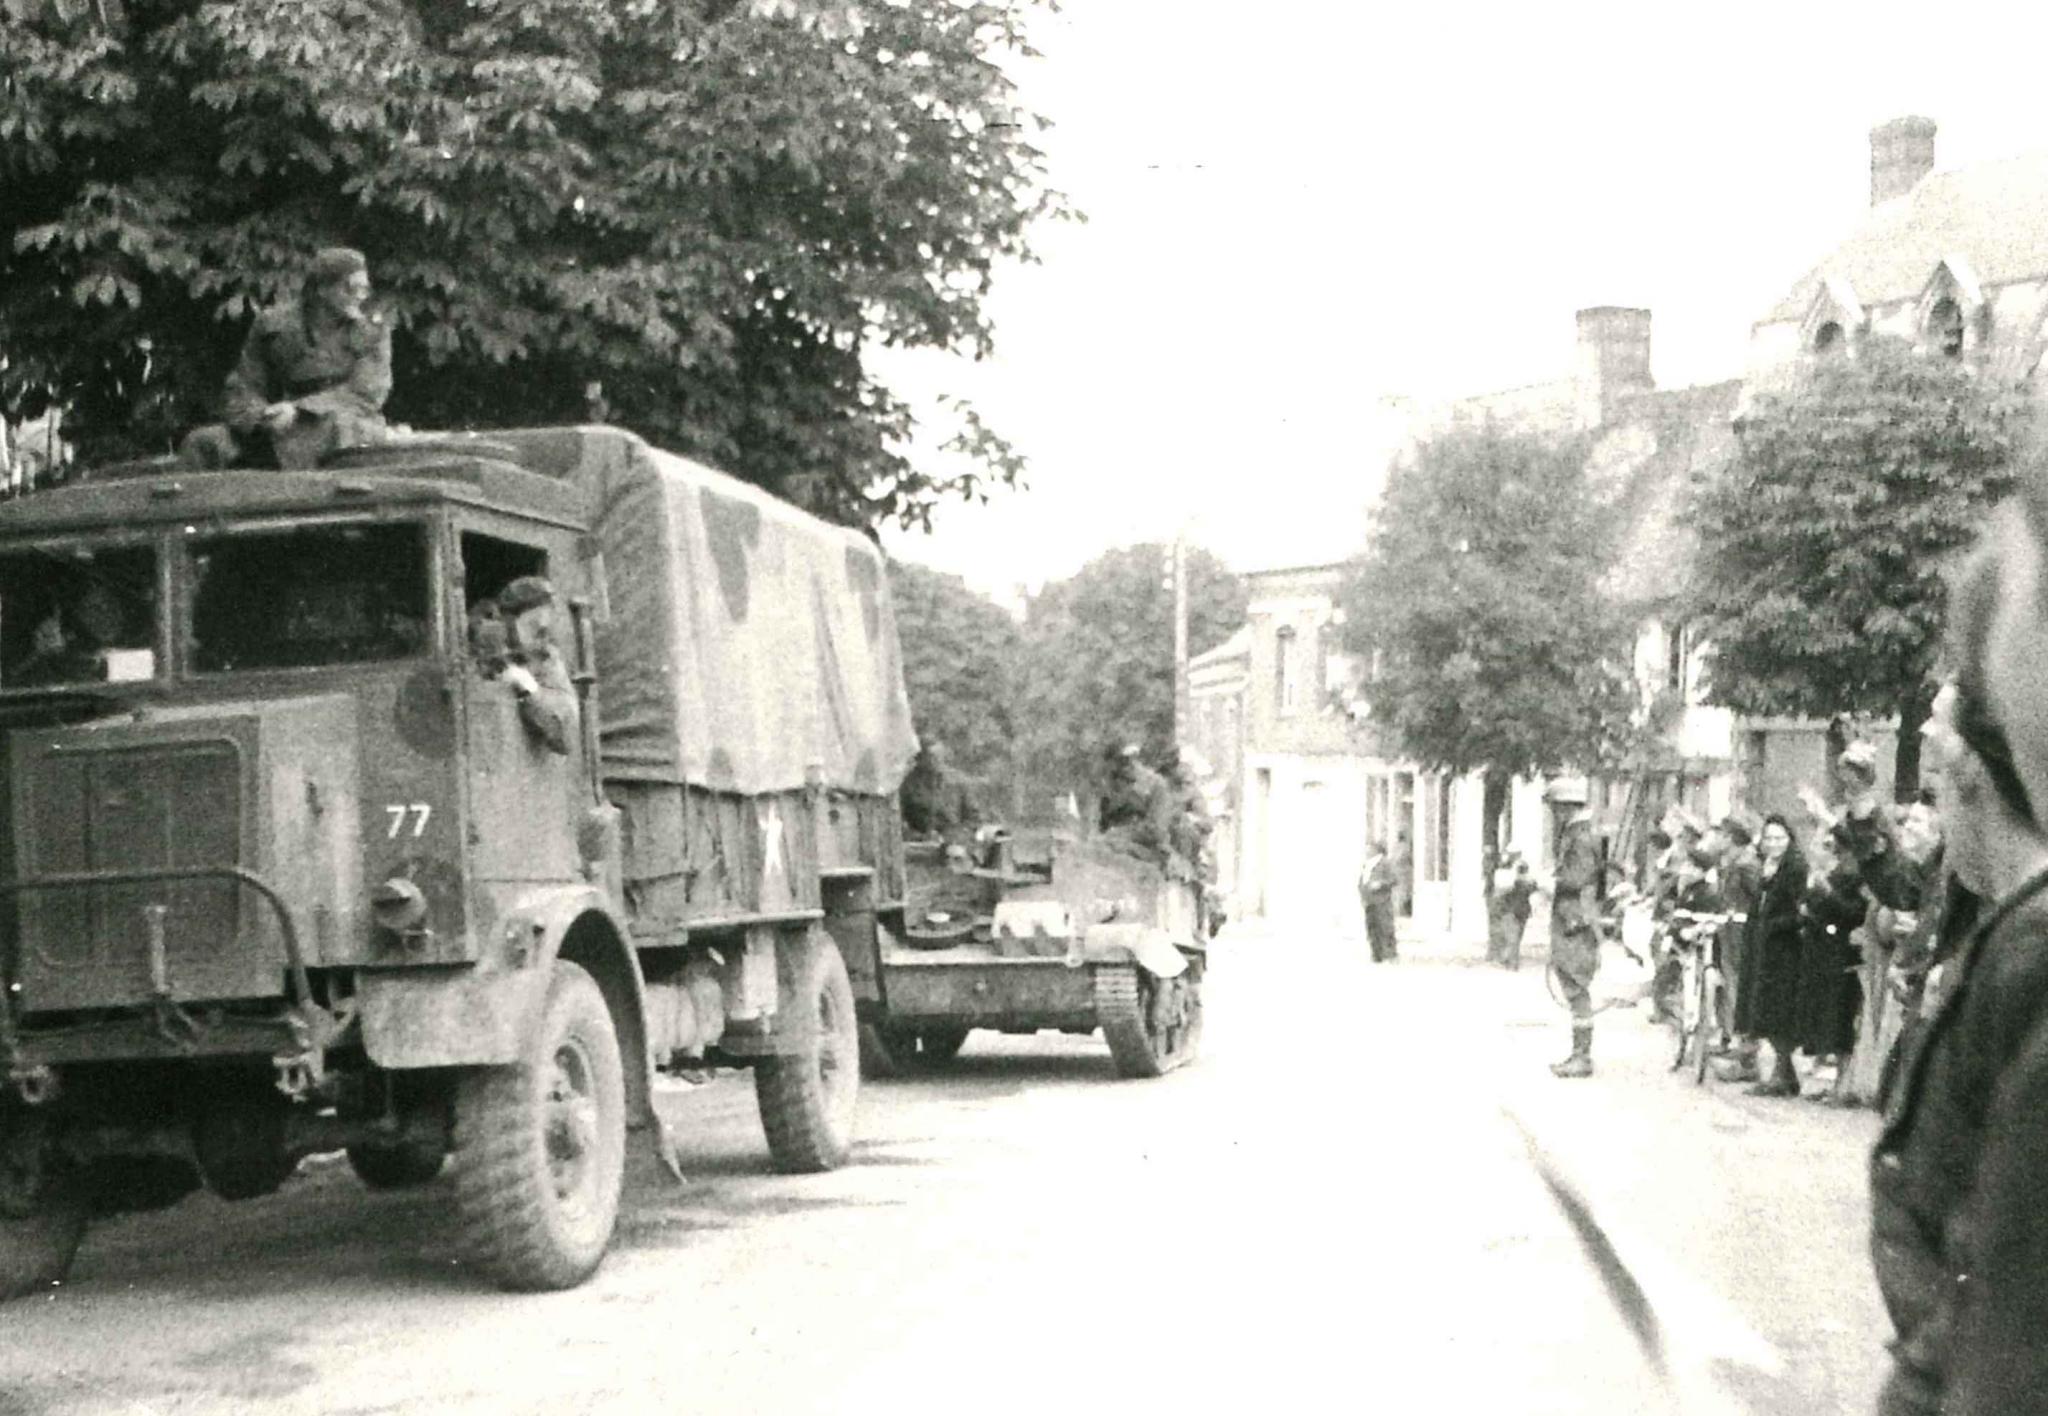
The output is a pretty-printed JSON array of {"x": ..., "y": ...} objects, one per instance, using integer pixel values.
[{"x": 1182, "y": 711}]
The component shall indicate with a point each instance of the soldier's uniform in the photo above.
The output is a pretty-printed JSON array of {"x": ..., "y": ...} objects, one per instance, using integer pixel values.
[
  {"x": 549, "y": 710},
  {"x": 322, "y": 354},
  {"x": 934, "y": 800},
  {"x": 1377, "y": 883},
  {"x": 1574, "y": 938},
  {"x": 337, "y": 371},
  {"x": 1138, "y": 808}
]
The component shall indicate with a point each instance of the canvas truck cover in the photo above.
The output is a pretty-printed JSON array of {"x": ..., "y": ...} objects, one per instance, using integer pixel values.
[{"x": 746, "y": 644}]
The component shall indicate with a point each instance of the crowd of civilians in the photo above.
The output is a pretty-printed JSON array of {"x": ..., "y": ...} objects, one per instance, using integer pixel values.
[{"x": 1861, "y": 899}]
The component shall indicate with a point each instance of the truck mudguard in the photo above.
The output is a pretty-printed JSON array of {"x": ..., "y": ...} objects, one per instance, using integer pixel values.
[{"x": 477, "y": 1016}]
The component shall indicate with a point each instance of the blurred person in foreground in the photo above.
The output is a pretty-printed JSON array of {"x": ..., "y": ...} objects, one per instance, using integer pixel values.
[{"x": 1959, "y": 1227}]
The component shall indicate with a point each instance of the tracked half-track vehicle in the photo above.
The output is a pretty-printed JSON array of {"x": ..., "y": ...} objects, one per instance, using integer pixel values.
[
  {"x": 1040, "y": 932},
  {"x": 287, "y": 869}
]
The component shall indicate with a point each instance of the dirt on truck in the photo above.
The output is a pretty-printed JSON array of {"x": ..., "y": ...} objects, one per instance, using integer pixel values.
[{"x": 289, "y": 868}]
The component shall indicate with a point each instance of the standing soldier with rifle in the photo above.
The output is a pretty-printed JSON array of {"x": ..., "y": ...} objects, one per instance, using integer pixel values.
[{"x": 1574, "y": 913}]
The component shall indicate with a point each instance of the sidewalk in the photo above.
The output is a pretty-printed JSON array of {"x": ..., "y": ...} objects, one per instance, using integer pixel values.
[{"x": 1744, "y": 1219}]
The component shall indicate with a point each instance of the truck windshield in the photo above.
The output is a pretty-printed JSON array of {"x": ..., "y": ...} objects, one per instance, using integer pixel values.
[
  {"x": 308, "y": 596},
  {"x": 76, "y": 615}
]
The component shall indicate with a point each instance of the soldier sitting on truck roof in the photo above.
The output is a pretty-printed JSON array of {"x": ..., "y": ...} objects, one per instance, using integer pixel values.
[
  {"x": 312, "y": 378},
  {"x": 512, "y": 637}
]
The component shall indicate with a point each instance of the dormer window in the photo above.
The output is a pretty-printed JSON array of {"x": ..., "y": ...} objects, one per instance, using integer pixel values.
[
  {"x": 1833, "y": 320},
  {"x": 1955, "y": 318},
  {"x": 1945, "y": 328}
]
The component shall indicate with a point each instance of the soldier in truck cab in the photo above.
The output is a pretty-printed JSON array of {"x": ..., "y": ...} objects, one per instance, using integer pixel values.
[
  {"x": 512, "y": 636},
  {"x": 72, "y": 641}
]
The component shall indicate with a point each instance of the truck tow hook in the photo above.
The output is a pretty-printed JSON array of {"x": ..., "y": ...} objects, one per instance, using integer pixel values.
[{"x": 36, "y": 1086}]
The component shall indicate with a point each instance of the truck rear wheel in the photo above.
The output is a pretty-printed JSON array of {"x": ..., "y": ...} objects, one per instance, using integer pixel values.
[
  {"x": 807, "y": 1098},
  {"x": 1152, "y": 1024},
  {"x": 540, "y": 1146},
  {"x": 42, "y": 1218}
]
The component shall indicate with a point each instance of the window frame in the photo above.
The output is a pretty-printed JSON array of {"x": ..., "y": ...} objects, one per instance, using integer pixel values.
[
  {"x": 432, "y": 535},
  {"x": 162, "y": 638}
]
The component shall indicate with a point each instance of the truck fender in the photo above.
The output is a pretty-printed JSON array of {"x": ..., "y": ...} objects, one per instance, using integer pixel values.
[
  {"x": 1146, "y": 945},
  {"x": 477, "y": 1017}
]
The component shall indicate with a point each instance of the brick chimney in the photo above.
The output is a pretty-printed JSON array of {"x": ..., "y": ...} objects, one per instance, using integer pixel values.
[
  {"x": 1614, "y": 359},
  {"x": 1901, "y": 153}
]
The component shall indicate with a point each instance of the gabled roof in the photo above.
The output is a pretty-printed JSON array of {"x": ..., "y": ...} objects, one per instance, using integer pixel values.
[{"x": 1994, "y": 214}]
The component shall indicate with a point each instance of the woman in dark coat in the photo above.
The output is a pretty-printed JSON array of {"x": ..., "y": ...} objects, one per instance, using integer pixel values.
[
  {"x": 1767, "y": 993},
  {"x": 1830, "y": 988}
]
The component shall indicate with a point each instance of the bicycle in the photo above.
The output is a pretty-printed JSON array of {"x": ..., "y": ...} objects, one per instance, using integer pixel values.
[{"x": 1696, "y": 936}]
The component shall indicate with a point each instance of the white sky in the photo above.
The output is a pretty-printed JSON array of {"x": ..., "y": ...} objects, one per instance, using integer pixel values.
[{"x": 1298, "y": 209}]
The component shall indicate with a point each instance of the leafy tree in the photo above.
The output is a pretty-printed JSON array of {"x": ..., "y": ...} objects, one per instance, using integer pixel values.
[
  {"x": 696, "y": 214},
  {"x": 1821, "y": 545},
  {"x": 961, "y": 655},
  {"x": 1099, "y": 658},
  {"x": 1480, "y": 601}
]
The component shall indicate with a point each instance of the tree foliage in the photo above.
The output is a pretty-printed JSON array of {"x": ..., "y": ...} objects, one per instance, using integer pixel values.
[
  {"x": 1099, "y": 657},
  {"x": 1479, "y": 599},
  {"x": 697, "y": 213},
  {"x": 961, "y": 658},
  {"x": 1818, "y": 577}
]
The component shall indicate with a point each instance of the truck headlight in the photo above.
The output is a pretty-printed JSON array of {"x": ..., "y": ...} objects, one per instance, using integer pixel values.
[{"x": 399, "y": 906}]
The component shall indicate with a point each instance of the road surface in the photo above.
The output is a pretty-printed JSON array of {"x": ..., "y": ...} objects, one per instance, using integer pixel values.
[{"x": 1338, "y": 1208}]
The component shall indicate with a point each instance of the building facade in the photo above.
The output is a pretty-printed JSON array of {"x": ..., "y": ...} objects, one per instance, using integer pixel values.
[{"x": 1318, "y": 789}]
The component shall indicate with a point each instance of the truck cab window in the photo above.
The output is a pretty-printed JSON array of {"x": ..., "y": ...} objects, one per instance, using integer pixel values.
[
  {"x": 489, "y": 565},
  {"x": 77, "y": 615},
  {"x": 308, "y": 597}
]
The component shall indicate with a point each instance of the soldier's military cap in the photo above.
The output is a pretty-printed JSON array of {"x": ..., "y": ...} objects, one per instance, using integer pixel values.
[
  {"x": 336, "y": 263},
  {"x": 525, "y": 593}
]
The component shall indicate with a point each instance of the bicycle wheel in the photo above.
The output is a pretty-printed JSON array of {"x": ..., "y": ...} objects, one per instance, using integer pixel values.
[
  {"x": 1681, "y": 1010},
  {"x": 1703, "y": 1025}
]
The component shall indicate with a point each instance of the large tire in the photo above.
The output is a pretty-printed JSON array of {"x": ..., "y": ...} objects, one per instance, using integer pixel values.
[
  {"x": 540, "y": 1146},
  {"x": 807, "y": 1097},
  {"x": 1149, "y": 1034},
  {"x": 42, "y": 1218},
  {"x": 399, "y": 1167}
]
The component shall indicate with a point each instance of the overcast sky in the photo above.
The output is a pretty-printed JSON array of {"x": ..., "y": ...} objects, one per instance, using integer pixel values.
[{"x": 1298, "y": 210}]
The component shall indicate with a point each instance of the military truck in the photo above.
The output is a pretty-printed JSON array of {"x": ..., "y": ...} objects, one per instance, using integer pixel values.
[
  {"x": 286, "y": 872},
  {"x": 1040, "y": 931}
]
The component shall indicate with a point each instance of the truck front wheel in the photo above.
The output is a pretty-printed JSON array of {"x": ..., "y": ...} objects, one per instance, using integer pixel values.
[
  {"x": 540, "y": 1146},
  {"x": 42, "y": 1218},
  {"x": 807, "y": 1097}
]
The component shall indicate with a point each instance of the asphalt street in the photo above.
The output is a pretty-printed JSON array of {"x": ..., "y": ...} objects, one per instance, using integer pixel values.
[{"x": 1342, "y": 1206}]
